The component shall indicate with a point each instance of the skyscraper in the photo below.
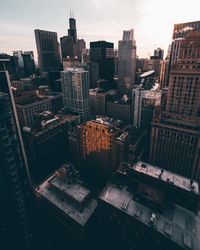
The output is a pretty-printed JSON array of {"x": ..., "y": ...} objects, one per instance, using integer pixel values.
[
  {"x": 175, "y": 142},
  {"x": 72, "y": 29},
  {"x": 101, "y": 62},
  {"x": 48, "y": 50},
  {"x": 80, "y": 49},
  {"x": 159, "y": 53},
  {"x": 164, "y": 73},
  {"x": 126, "y": 62},
  {"x": 14, "y": 222},
  {"x": 75, "y": 89},
  {"x": 69, "y": 44}
]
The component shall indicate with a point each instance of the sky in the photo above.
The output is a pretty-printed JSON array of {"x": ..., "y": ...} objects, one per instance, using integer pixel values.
[{"x": 152, "y": 21}]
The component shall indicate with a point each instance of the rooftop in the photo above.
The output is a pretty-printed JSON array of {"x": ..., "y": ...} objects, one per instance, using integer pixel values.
[
  {"x": 166, "y": 176},
  {"x": 110, "y": 122},
  {"x": 176, "y": 223},
  {"x": 68, "y": 194},
  {"x": 74, "y": 70}
]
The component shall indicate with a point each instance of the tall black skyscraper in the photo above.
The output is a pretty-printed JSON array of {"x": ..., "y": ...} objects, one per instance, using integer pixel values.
[
  {"x": 14, "y": 179},
  {"x": 72, "y": 29},
  {"x": 102, "y": 62},
  {"x": 69, "y": 43}
]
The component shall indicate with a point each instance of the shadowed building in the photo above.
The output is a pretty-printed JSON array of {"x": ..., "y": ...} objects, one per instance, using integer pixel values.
[
  {"x": 143, "y": 207},
  {"x": 175, "y": 137},
  {"x": 101, "y": 62},
  {"x": 14, "y": 174}
]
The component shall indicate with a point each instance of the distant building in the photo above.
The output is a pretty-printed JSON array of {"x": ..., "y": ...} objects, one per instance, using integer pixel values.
[
  {"x": 98, "y": 100},
  {"x": 154, "y": 64},
  {"x": 143, "y": 207},
  {"x": 55, "y": 97},
  {"x": 81, "y": 46},
  {"x": 75, "y": 90},
  {"x": 29, "y": 63},
  {"x": 103, "y": 145},
  {"x": 67, "y": 47},
  {"x": 159, "y": 53},
  {"x": 101, "y": 62},
  {"x": 48, "y": 50},
  {"x": 164, "y": 73},
  {"x": 126, "y": 62},
  {"x": 120, "y": 109},
  {"x": 72, "y": 32},
  {"x": 116, "y": 58},
  {"x": 7, "y": 62},
  {"x": 29, "y": 106},
  {"x": 144, "y": 103}
]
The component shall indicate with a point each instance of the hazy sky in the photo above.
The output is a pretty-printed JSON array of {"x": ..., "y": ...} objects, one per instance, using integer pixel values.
[{"x": 152, "y": 21}]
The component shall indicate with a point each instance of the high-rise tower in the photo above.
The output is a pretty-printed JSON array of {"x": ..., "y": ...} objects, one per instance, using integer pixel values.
[
  {"x": 126, "y": 62},
  {"x": 48, "y": 50},
  {"x": 14, "y": 178},
  {"x": 101, "y": 62},
  {"x": 75, "y": 89},
  {"x": 72, "y": 29},
  {"x": 175, "y": 142}
]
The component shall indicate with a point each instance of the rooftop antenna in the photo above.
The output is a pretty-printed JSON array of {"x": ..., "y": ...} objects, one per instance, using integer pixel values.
[{"x": 70, "y": 13}]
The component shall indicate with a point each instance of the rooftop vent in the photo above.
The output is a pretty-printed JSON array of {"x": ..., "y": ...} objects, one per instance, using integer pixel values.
[{"x": 124, "y": 205}]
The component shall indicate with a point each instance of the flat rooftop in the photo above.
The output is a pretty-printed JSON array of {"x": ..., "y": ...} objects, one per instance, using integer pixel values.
[
  {"x": 176, "y": 223},
  {"x": 110, "y": 122},
  {"x": 167, "y": 176},
  {"x": 67, "y": 195},
  {"x": 73, "y": 190}
]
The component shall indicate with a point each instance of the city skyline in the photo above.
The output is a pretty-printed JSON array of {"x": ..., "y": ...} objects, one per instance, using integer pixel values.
[{"x": 17, "y": 23}]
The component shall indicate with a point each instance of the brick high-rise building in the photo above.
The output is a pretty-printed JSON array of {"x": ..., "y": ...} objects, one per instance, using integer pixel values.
[
  {"x": 175, "y": 138},
  {"x": 102, "y": 146}
]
